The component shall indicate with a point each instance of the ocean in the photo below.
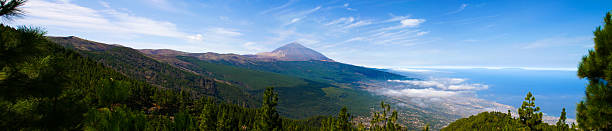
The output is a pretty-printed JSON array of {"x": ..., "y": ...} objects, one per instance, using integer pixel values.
[{"x": 553, "y": 89}]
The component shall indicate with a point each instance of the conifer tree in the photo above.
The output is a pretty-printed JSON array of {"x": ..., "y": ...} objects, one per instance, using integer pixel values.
[
  {"x": 208, "y": 117},
  {"x": 344, "y": 120},
  {"x": 561, "y": 124},
  {"x": 528, "y": 113},
  {"x": 269, "y": 118},
  {"x": 10, "y": 9},
  {"x": 595, "y": 111}
]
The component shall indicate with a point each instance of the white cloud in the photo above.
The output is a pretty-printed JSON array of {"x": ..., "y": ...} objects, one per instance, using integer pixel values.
[
  {"x": 343, "y": 20},
  {"x": 105, "y": 4},
  {"x": 559, "y": 41},
  {"x": 225, "y": 32},
  {"x": 412, "y": 22},
  {"x": 278, "y": 7},
  {"x": 74, "y": 17},
  {"x": 467, "y": 87},
  {"x": 358, "y": 24},
  {"x": 396, "y": 18},
  {"x": 461, "y": 8},
  {"x": 345, "y": 23},
  {"x": 404, "y": 22},
  {"x": 427, "y": 92},
  {"x": 197, "y": 37},
  {"x": 249, "y": 43},
  {"x": 293, "y": 17},
  {"x": 307, "y": 12},
  {"x": 422, "y": 33},
  {"x": 346, "y": 6},
  {"x": 294, "y": 20},
  {"x": 444, "y": 84}
]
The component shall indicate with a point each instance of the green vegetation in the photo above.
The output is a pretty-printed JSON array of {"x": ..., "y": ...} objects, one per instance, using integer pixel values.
[
  {"x": 529, "y": 119},
  {"x": 10, "y": 9},
  {"x": 322, "y": 71},
  {"x": 321, "y": 98},
  {"x": 143, "y": 68},
  {"x": 486, "y": 121},
  {"x": 340, "y": 123},
  {"x": 269, "y": 117},
  {"x": 74, "y": 84},
  {"x": 250, "y": 79},
  {"x": 528, "y": 113},
  {"x": 562, "y": 124},
  {"x": 45, "y": 86},
  {"x": 595, "y": 111},
  {"x": 385, "y": 120}
]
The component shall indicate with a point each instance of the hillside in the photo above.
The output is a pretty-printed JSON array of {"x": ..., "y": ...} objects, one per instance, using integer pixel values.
[
  {"x": 140, "y": 67},
  {"x": 325, "y": 71},
  {"x": 45, "y": 86},
  {"x": 321, "y": 98},
  {"x": 321, "y": 86}
]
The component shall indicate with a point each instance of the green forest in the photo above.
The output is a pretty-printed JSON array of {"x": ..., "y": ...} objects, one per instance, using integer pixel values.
[{"x": 48, "y": 86}]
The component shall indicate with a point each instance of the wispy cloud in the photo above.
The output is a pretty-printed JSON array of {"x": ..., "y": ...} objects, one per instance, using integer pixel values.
[
  {"x": 71, "y": 16},
  {"x": 294, "y": 17},
  {"x": 397, "y": 18},
  {"x": 289, "y": 3},
  {"x": 174, "y": 6},
  {"x": 559, "y": 41},
  {"x": 358, "y": 24},
  {"x": 343, "y": 20},
  {"x": 461, "y": 8},
  {"x": 346, "y": 6},
  {"x": 397, "y": 30},
  {"x": 225, "y": 32},
  {"x": 105, "y": 4}
]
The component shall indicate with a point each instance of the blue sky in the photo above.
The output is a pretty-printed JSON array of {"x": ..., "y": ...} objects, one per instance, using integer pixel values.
[{"x": 415, "y": 33}]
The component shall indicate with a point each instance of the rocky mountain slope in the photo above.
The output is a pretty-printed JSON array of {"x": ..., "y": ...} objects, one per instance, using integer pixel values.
[{"x": 291, "y": 52}]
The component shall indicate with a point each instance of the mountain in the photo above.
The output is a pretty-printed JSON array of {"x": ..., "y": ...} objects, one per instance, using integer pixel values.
[
  {"x": 306, "y": 88},
  {"x": 175, "y": 69},
  {"x": 141, "y": 67},
  {"x": 292, "y": 52}
]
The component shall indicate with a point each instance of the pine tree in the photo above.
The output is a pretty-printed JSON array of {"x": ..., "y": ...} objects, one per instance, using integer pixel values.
[
  {"x": 383, "y": 121},
  {"x": 344, "y": 120},
  {"x": 208, "y": 117},
  {"x": 10, "y": 9},
  {"x": 528, "y": 113},
  {"x": 269, "y": 118},
  {"x": 595, "y": 111},
  {"x": 561, "y": 124}
]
